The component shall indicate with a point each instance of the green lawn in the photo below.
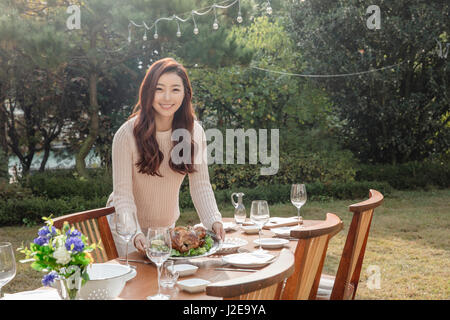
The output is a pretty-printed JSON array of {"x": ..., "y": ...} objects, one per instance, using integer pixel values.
[{"x": 409, "y": 244}]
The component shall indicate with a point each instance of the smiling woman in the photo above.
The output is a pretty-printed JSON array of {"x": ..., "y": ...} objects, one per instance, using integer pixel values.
[{"x": 146, "y": 176}]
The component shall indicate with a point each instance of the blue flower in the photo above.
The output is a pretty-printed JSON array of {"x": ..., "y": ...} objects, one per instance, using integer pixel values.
[
  {"x": 47, "y": 232},
  {"x": 49, "y": 278},
  {"x": 41, "y": 241},
  {"x": 73, "y": 233},
  {"x": 76, "y": 243}
]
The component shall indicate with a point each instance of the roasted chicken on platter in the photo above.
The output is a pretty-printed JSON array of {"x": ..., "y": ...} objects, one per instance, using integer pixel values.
[{"x": 186, "y": 238}]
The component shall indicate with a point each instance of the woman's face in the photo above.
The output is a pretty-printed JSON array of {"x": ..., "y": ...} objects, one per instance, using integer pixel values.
[{"x": 169, "y": 95}]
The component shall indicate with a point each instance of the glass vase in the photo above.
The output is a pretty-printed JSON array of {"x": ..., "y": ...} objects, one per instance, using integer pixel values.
[{"x": 69, "y": 288}]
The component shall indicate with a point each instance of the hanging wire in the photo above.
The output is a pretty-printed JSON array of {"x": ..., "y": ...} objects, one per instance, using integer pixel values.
[{"x": 327, "y": 75}]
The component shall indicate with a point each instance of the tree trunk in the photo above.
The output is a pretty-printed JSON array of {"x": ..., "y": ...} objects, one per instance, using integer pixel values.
[
  {"x": 80, "y": 165},
  {"x": 86, "y": 146},
  {"x": 45, "y": 158}
]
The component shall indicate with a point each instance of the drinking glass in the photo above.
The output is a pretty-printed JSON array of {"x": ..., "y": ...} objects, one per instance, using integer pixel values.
[
  {"x": 126, "y": 227},
  {"x": 259, "y": 215},
  {"x": 158, "y": 250},
  {"x": 169, "y": 275},
  {"x": 7, "y": 264},
  {"x": 298, "y": 199}
]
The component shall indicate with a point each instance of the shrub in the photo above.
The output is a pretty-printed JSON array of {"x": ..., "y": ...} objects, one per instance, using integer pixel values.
[
  {"x": 56, "y": 184},
  {"x": 281, "y": 193},
  {"x": 408, "y": 176},
  {"x": 31, "y": 210},
  {"x": 307, "y": 167}
]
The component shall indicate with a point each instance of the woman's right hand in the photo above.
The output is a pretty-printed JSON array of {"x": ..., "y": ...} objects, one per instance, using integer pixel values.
[{"x": 139, "y": 242}]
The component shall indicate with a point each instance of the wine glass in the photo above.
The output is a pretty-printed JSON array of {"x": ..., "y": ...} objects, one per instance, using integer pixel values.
[
  {"x": 298, "y": 199},
  {"x": 126, "y": 228},
  {"x": 259, "y": 215},
  {"x": 158, "y": 249},
  {"x": 7, "y": 264}
]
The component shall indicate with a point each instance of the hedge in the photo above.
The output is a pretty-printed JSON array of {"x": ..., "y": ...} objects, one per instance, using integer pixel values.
[
  {"x": 30, "y": 210},
  {"x": 408, "y": 176}
]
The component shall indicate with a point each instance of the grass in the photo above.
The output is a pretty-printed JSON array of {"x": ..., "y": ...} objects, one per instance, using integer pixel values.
[{"x": 409, "y": 244}]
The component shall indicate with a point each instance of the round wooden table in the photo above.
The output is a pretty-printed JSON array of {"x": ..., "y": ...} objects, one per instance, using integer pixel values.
[{"x": 146, "y": 283}]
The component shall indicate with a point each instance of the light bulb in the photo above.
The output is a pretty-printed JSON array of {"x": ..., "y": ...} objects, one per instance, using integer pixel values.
[
  {"x": 195, "y": 30},
  {"x": 269, "y": 10},
  {"x": 215, "y": 25},
  {"x": 239, "y": 19},
  {"x": 155, "y": 36},
  {"x": 178, "y": 34},
  {"x": 144, "y": 37}
]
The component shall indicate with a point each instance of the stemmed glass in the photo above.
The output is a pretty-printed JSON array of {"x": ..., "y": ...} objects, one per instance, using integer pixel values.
[
  {"x": 7, "y": 264},
  {"x": 259, "y": 215},
  {"x": 126, "y": 227},
  {"x": 158, "y": 249},
  {"x": 298, "y": 199}
]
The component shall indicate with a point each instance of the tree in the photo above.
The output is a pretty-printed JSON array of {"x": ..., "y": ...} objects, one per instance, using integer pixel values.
[
  {"x": 32, "y": 91},
  {"x": 394, "y": 115}
]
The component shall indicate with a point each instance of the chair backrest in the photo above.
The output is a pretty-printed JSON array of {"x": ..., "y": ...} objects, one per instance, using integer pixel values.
[
  {"x": 309, "y": 258},
  {"x": 94, "y": 225},
  {"x": 349, "y": 270},
  {"x": 264, "y": 284}
]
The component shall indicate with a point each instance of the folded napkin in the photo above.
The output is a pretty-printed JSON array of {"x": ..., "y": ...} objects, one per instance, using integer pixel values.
[
  {"x": 249, "y": 258},
  {"x": 38, "y": 294},
  {"x": 280, "y": 222},
  {"x": 283, "y": 232},
  {"x": 227, "y": 226}
]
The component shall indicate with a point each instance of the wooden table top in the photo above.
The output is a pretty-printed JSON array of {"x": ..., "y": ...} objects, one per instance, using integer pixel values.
[{"x": 146, "y": 284}]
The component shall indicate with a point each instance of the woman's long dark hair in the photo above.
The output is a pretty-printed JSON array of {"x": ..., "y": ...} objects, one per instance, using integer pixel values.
[{"x": 145, "y": 127}]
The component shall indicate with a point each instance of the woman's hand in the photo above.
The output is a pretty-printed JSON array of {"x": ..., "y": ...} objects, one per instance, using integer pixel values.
[
  {"x": 217, "y": 227},
  {"x": 139, "y": 242}
]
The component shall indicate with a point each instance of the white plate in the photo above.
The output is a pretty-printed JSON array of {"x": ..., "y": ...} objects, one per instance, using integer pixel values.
[
  {"x": 249, "y": 260},
  {"x": 250, "y": 229},
  {"x": 231, "y": 245},
  {"x": 184, "y": 269},
  {"x": 271, "y": 243},
  {"x": 193, "y": 285},
  {"x": 229, "y": 226}
]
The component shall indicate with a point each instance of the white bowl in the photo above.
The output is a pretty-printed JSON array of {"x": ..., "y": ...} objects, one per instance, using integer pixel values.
[
  {"x": 250, "y": 229},
  {"x": 184, "y": 269},
  {"x": 106, "y": 281},
  {"x": 193, "y": 285}
]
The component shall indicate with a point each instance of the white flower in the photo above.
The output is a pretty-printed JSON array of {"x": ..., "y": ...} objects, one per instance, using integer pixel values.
[{"x": 61, "y": 255}]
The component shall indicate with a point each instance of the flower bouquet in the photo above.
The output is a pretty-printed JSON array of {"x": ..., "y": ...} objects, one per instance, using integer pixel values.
[{"x": 63, "y": 254}]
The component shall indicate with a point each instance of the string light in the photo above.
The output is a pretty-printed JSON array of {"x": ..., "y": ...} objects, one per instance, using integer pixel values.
[
  {"x": 178, "y": 32},
  {"x": 239, "y": 18},
  {"x": 327, "y": 75},
  {"x": 215, "y": 24},
  {"x": 193, "y": 13},
  {"x": 195, "y": 24},
  {"x": 269, "y": 8}
]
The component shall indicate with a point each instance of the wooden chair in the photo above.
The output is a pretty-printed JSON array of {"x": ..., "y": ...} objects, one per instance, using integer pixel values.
[
  {"x": 94, "y": 225},
  {"x": 264, "y": 284},
  {"x": 309, "y": 258},
  {"x": 344, "y": 285}
]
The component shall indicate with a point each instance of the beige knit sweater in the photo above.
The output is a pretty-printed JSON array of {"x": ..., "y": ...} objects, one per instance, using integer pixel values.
[{"x": 155, "y": 199}]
